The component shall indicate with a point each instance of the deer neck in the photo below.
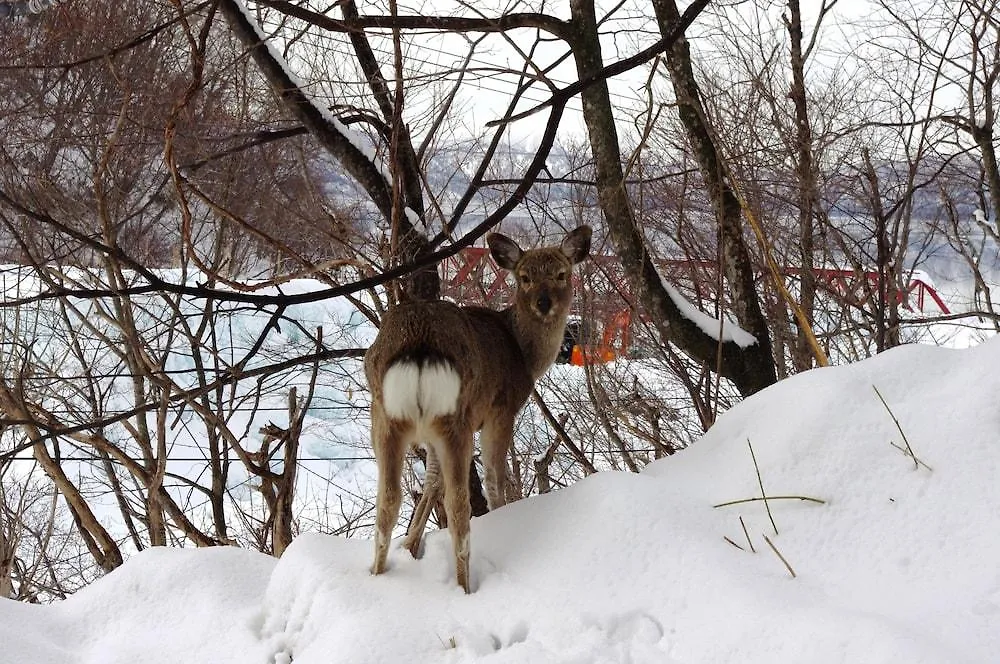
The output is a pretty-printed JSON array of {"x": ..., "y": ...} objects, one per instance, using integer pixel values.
[{"x": 539, "y": 340}]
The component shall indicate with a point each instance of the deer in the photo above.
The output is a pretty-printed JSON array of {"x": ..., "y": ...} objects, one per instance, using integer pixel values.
[{"x": 439, "y": 372}]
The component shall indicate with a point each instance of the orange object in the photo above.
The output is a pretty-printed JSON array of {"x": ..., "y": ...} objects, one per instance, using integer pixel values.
[{"x": 614, "y": 342}]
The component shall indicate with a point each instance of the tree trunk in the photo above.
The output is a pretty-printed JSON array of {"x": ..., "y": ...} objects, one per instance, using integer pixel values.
[
  {"x": 421, "y": 284},
  {"x": 101, "y": 545},
  {"x": 802, "y": 356},
  {"x": 750, "y": 369},
  {"x": 7, "y": 546},
  {"x": 283, "y": 516},
  {"x": 984, "y": 139},
  {"x": 886, "y": 302}
]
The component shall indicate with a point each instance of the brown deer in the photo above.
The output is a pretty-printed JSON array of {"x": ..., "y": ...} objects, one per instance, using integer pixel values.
[{"x": 439, "y": 372}]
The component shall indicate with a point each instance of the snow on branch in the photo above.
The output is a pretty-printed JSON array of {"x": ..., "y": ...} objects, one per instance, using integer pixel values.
[
  {"x": 354, "y": 151},
  {"x": 730, "y": 331}
]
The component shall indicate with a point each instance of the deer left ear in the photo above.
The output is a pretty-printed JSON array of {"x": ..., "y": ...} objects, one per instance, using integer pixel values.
[
  {"x": 504, "y": 250},
  {"x": 576, "y": 244}
]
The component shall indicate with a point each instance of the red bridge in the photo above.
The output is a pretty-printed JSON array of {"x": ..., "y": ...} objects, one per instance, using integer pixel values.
[{"x": 471, "y": 277}]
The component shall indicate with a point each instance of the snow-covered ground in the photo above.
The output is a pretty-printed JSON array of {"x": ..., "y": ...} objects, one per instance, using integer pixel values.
[{"x": 900, "y": 563}]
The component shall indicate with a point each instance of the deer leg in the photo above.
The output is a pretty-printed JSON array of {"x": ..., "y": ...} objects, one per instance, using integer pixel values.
[
  {"x": 496, "y": 442},
  {"x": 422, "y": 510},
  {"x": 455, "y": 472},
  {"x": 389, "y": 440}
]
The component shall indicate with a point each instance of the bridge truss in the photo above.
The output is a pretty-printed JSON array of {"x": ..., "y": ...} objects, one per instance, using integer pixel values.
[{"x": 472, "y": 277}]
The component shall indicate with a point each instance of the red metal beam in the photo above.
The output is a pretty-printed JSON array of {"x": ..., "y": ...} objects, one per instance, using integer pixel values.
[{"x": 472, "y": 277}]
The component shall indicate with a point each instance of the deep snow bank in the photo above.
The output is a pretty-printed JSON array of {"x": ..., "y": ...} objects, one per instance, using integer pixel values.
[{"x": 899, "y": 564}]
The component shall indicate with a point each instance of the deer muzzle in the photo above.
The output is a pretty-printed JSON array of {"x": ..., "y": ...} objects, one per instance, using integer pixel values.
[{"x": 544, "y": 304}]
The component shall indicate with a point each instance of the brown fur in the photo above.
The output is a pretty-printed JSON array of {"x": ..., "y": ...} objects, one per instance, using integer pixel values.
[{"x": 497, "y": 356}]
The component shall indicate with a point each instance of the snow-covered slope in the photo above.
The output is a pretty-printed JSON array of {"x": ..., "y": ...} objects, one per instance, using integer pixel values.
[{"x": 898, "y": 564}]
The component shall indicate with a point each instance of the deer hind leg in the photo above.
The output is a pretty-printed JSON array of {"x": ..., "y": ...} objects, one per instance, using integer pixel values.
[
  {"x": 422, "y": 511},
  {"x": 455, "y": 472},
  {"x": 390, "y": 440},
  {"x": 496, "y": 442}
]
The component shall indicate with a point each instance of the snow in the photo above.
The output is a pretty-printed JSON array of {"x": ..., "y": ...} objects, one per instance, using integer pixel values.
[
  {"x": 923, "y": 277},
  {"x": 412, "y": 216},
  {"x": 204, "y": 600},
  {"x": 898, "y": 564},
  {"x": 730, "y": 331}
]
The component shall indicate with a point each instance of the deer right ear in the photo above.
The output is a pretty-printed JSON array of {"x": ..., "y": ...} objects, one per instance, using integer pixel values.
[
  {"x": 576, "y": 244},
  {"x": 504, "y": 250}
]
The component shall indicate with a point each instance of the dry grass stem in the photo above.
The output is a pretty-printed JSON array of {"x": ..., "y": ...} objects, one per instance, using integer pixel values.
[
  {"x": 909, "y": 453},
  {"x": 767, "y": 249},
  {"x": 733, "y": 543},
  {"x": 780, "y": 557},
  {"x": 909, "y": 450},
  {"x": 747, "y": 535},
  {"x": 819, "y": 501},
  {"x": 763, "y": 493}
]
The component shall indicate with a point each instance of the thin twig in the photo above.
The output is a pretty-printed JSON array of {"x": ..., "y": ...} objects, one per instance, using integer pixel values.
[
  {"x": 907, "y": 453},
  {"x": 763, "y": 494},
  {"x": 778, "y": 553},
  {"x": 916, "y": 462},
  {"x": 578, "y": 454},
  {"x": 754, "y": 500},
  {"x": 767, "y": 250},
  {"x": 747, "y": 535},
  {"x": 733, "y": 543}
]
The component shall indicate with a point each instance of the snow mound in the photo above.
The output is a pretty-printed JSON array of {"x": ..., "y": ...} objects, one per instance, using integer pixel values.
[
  {"x": 897, "y": 564},
  {"x": 162, "y": 605}
]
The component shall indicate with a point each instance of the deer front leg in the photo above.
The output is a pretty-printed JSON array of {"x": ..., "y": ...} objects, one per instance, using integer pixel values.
[
  {"x": 422, "y": 510},
  {"x": 496, "y": 439}
]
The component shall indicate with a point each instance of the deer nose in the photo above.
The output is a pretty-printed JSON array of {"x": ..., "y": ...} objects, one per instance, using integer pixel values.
[{"x": 544, "y": 303}]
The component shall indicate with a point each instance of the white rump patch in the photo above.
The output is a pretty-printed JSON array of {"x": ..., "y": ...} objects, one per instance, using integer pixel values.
[
  {"x": 439, "y": 386},
  {"x": 410, "y": 392}
]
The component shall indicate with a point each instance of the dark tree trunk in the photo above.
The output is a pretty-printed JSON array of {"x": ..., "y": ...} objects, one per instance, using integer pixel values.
[
  {"x": 423, "y": 283},
  {"x": 886, "y": 306},
  {"x": 750, "y": 369},
  {"x": 802, "y": 356},
  {"x": 758, "y": 360},
  {"x": 984, "y": 139}
]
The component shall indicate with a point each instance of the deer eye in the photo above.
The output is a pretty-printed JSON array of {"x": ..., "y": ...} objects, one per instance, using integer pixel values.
[
  {"x": 561, "y": 276},
  {"x": 525, "y": 280}
]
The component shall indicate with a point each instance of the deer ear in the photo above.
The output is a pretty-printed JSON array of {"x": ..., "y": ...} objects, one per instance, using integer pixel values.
[
  {"x": 504, "y": 250},
  {"x": 576, "y": 244}
]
